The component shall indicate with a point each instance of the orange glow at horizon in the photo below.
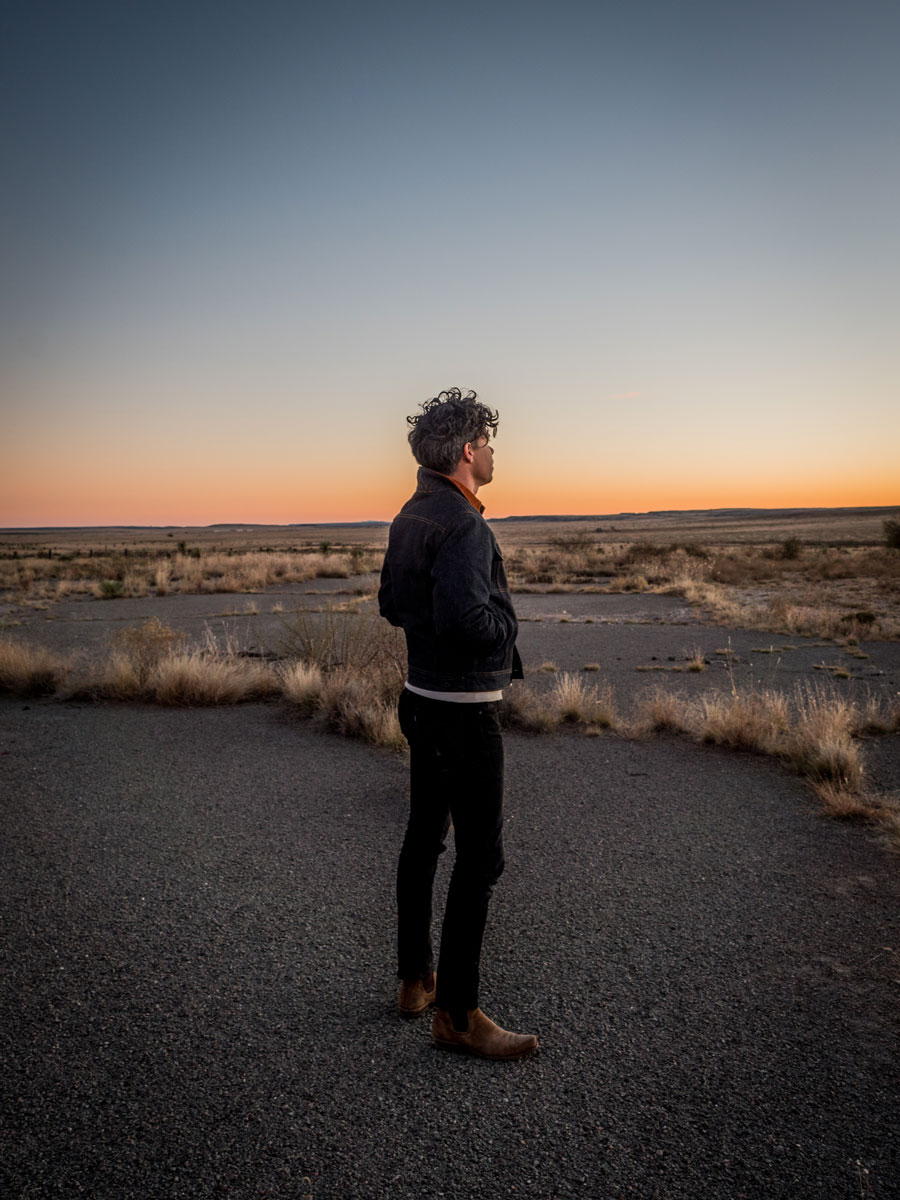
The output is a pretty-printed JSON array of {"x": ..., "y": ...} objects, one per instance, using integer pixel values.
[{"x": 70, "y": 497}]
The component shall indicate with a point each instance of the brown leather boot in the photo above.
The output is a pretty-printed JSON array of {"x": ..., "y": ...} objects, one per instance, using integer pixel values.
[
  {"x": 415, "y": 995},
  {"x": 483, "y": 1037}
]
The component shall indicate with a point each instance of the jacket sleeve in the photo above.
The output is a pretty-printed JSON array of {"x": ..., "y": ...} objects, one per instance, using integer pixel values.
[
  {"x": 461, "y": 572},
  {"x": 386, "y": 604}
]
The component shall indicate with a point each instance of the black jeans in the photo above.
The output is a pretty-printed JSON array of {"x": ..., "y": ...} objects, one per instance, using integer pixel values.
[{"x": 456, "y": 774}]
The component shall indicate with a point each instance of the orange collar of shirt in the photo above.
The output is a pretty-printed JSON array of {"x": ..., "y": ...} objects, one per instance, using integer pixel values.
[{"x": 470, "y": 496}]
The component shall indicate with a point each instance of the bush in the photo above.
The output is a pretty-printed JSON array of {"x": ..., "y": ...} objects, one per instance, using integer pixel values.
[
  {"x": 892, "y": 533},
  {"x": 144, "y": 646},
  {"x": 790, "y": 548}
]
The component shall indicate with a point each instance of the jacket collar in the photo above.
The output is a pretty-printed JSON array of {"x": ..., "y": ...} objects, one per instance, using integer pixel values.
[{"x": 433, "y": 481}]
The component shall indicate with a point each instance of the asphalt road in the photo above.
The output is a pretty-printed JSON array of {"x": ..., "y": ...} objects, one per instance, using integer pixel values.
[{"x": 197, "y": 973}]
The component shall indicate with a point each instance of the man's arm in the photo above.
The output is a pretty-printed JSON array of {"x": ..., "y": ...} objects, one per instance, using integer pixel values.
[
  {"x": 462, "y": 588},
  {"x": 386, "y": 604}
]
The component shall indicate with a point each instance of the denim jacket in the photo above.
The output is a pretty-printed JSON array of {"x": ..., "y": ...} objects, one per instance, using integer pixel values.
[{"x": 443, "y": 581}]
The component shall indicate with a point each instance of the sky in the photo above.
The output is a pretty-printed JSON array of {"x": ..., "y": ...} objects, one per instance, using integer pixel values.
[{"x": 240, "y": 242}]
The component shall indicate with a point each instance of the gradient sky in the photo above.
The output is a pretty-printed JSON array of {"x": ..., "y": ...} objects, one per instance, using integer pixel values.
[{"x": 241, "y": 241}]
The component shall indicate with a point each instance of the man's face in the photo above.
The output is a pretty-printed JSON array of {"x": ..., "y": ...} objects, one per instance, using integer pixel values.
[{"x": 483, "y": 460}]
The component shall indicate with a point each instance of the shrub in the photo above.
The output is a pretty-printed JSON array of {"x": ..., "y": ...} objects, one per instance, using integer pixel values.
[
  {"x": 143, "y": 646},
  {"x": 891, "y": 529},
  {"x": 863, "y": 618},
  {"x": 341, "y": 638},
  {"x": 790, "y": 548}
]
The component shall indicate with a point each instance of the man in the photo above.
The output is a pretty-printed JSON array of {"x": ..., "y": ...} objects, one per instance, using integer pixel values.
[{"x": 443, "y": 581}]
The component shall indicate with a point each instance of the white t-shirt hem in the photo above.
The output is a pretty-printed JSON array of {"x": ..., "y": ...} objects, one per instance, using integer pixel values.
[{"x": 455, "y": 697}]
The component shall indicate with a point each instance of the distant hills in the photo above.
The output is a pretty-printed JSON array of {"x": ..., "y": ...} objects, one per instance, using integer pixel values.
[{"x": 733, "y": 514}]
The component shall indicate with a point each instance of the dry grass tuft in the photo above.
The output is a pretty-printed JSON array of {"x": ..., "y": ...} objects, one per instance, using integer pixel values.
[
  {"x": 820, "y": 743},
  {"x": 573, "y": 700},
  {"x": 124, "y": 673},
  {"x": 30, "y": 670},
  {"x": 695, "y": 659},
  {"x": 842, "y": 804},
  {"x": 629, "y": 583},
  {"x": 879, "y": 718},
  {"x": 659, "y": 711},
  {"x": 301, "y": 684},
  {"x": 741, "y": 720},
  {"x": 149, "y": 662},
  {"x": 193, "y": 677},
  {"x": 524, "y": 710},
  {"x": 355, "y": 705}
]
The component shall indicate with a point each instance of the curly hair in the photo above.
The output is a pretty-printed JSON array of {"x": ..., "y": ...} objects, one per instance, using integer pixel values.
[{"x": 440, "y": 431}]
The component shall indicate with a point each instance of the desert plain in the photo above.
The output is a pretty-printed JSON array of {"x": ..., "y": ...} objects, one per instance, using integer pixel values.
[{"x": 699, "y": 915}]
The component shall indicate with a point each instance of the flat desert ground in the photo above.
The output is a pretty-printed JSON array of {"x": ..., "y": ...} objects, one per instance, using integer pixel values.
[{"x": 198, "y": 987}]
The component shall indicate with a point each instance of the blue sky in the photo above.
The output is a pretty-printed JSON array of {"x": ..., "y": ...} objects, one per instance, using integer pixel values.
[{"x": 242, "y": 241}]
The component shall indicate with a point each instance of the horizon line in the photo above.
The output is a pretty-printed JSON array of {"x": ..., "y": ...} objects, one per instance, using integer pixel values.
[{"x": 624, "y": 515}]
